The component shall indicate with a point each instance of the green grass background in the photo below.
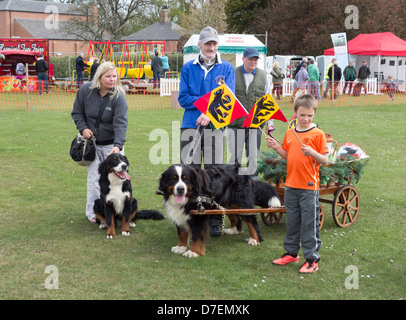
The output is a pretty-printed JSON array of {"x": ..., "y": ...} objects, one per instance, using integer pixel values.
[{"x": 42, "y": 220}]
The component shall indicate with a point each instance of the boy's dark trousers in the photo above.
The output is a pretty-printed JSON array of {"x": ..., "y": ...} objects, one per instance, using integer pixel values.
[{"x": 302, "y": 223}]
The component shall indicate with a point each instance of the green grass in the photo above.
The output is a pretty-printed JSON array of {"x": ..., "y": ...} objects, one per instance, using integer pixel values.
[{"x": 43, "y": 195}]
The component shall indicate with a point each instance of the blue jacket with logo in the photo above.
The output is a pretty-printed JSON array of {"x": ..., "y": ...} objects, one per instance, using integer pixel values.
[{"x": 196, "y": 81}]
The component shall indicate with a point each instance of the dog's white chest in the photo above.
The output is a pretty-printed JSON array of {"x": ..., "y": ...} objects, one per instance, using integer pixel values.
[
  {"x": 176, "y": 212},
  {"x": 117, "y": 196}
]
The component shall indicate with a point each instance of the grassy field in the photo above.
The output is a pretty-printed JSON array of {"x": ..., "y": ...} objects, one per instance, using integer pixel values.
[{"x": 43, "y": 225}]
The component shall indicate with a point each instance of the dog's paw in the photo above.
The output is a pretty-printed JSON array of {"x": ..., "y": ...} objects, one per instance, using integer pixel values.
[
  {"x": 132, "y": 224},
  {"x": 102, "y": 226},
  {"x": 274, "y": 202},
  {"x": 179, "y": 250},
  {"x": 253, "y": 242},
  {"x": 232, "y": 231},
  {"x": 125, "y": 233},
  {"x": 109, "y": 236},
  {"x": 190, "y": 254}
]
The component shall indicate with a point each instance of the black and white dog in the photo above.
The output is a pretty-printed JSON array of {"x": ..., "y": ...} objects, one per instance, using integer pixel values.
[
  {"x": 116, "y": 201},
  {"x": 185, "y": 188}
]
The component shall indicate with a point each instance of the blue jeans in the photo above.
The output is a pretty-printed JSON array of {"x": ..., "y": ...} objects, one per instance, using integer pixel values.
[
  {"x": 157, "y": 78},
  {"x": 42, "y": 77},
  {"x": 315, "y": 89}
]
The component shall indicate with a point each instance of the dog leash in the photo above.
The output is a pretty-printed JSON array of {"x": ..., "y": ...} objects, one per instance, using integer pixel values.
[
  {"x": 210, "y": 201},
  {"x": 196, "y": 139}
]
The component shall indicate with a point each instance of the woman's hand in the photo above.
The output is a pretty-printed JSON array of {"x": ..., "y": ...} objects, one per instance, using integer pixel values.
[
  {"x": 115, "y": 150},
  {"x": 87, "y": 133}
]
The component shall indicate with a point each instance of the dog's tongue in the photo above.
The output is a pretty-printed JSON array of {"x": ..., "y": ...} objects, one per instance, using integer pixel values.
[
  {"x": 123, "y": 175},
  {"x": 180, "y": 199}
]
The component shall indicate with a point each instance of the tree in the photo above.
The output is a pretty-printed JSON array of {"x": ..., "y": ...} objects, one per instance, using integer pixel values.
[
  {"x": 96, "y": 18},
  {"x": 203, "y": 13},
  {"x": 304, "y": 27}
]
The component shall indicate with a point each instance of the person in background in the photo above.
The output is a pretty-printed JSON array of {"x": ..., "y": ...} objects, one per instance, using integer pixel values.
[
  {"x": 334, "y": 75},
  {"x": 93, "y": 68},
  {"x": 156, "y": 67},
  {"x": 41, "y": 67},
  {"x": 112, "y": 130},
  {"x": 301, "y": 82},
  {"x": 328, "y": 82},
  {"x": 391, "y": 87},
  {"x": 277, "y": 80},
  {"x": 363, "y": 74},
  {"x": 198, "y": 77},
  {"x": 80, "y": 68},
  {"x": 314, "y": 80},
  {"x": 350, "y": 74},
  {"x": 20, "y": 71},
  {"x": 165, "y": 65},
  {"x": 251, "y": 83}
]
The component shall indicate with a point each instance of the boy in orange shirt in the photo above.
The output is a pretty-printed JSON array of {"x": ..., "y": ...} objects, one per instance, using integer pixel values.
[{"x": 302, "y": 185}]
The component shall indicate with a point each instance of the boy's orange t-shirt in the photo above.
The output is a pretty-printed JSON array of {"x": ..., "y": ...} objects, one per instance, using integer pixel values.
[{"x": 303, "y": 171}]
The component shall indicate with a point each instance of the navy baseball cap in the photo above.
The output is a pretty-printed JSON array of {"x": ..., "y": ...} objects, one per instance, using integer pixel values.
[{"x": 251, "y": 53}]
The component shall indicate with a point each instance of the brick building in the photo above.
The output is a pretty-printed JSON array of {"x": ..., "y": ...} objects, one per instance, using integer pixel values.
[
  {"x": 40, "y": 20},
  {"x": 162, "y": 30}
]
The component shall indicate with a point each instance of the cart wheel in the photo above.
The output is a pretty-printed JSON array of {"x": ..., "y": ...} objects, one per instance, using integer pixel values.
[
  {"x": 345, "y": 206},
  {"x": 321, "y": 217},
  {"x": 271, "y": 218}
]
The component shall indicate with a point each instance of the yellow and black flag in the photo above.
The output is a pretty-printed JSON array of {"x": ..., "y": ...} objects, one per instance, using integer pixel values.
[
  {"x": 264, "y": 109},
  {"x": 221, "y": 106}
]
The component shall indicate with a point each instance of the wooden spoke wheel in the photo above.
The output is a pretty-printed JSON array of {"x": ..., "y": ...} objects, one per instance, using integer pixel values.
[
  {"x": 321, "y": 217},
  {"x": 346, "y": 206},
  {"x": 271, "y": 218}
]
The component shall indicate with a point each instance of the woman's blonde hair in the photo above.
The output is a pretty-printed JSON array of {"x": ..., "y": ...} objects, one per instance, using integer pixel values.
[
  {"x": 275, "y": 64},
  {"x": 101, "y": 70}
]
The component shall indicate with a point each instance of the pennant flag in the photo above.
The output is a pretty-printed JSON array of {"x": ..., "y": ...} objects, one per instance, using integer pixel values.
[
  {"x": 264, "y": 109},
  {"x": 292, "y": 122},
  {"x": 221, "y": 106}
]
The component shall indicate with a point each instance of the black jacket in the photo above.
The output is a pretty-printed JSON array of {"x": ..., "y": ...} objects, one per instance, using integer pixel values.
[
  {"x": 337, "y": 73},
  {"x": 363, "y": 72},
  {"x": 41, "y": 65}
]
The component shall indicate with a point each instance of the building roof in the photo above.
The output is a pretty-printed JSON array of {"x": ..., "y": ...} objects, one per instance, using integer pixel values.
[
  {"x": 38, "y": 30},
  {"x": 35, "y": 6},
  {"x": 158, "y": 31}
]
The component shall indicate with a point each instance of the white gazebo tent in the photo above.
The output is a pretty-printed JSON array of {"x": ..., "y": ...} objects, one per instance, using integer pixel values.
[{"x": 231, "y": 48}]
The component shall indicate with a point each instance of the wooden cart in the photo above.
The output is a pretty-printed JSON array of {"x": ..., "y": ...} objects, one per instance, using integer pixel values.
[{"x": 345, "y": 205}]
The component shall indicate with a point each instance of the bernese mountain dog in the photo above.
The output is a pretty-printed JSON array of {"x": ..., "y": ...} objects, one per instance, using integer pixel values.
[
  {"x": 116, "y": 202},
  {"x": 186, "y": 188}
]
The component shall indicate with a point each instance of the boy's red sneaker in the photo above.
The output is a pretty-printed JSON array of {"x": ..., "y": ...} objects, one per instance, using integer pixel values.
[
  {"x": 309, "y": 267},
  {"x": 285, "y": 259}
]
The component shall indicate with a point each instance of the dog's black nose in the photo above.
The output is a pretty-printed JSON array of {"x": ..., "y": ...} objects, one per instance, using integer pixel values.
[{"x": 180, "y": 190}]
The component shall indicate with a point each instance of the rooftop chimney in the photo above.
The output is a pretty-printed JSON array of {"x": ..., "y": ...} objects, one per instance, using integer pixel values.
[{"x": 164, "y": 15}]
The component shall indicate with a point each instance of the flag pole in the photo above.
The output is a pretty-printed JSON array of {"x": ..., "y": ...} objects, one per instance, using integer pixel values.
[{"x": 295, "y": 134}]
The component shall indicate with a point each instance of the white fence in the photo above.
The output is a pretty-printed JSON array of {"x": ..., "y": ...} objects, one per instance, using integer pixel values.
[{"x": 169, "y": 85}]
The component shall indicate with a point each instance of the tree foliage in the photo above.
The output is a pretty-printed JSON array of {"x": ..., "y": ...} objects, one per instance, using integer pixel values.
[
  {"x": 304, "y": 27},
  {"x": 203, "y": 13},
  {"x": 112, "y": 18}
]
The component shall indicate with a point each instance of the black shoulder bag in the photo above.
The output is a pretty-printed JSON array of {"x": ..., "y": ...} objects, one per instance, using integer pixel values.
[{"x": 83, "y": 151}]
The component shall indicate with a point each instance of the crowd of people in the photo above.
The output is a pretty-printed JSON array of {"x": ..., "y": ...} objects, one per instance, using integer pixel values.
[{"x": 307, "y": 79}]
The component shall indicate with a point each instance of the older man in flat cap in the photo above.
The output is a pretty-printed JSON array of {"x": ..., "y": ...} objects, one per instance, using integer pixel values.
[{"x": 197, "y": 78}]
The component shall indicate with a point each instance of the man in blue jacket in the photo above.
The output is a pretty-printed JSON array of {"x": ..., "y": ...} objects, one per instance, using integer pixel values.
[{"x": 197, "y": 78}]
